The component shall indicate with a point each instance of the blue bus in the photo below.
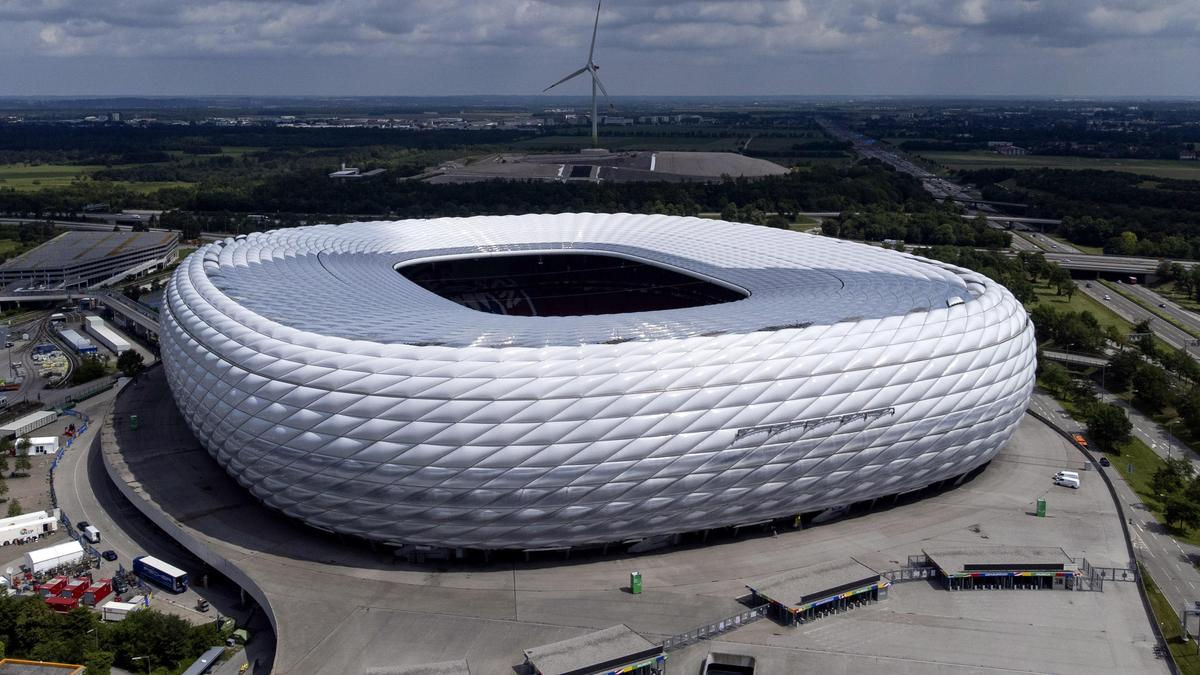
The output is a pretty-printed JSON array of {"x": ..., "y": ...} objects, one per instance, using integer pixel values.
[{"x": 160, "y": 573}]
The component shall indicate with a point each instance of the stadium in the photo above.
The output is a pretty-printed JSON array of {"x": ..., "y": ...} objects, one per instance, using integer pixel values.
[{"x": 563, "y": 380}]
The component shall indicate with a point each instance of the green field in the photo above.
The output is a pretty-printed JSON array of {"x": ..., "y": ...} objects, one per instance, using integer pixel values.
[
  {"x": 26, "y": 178},
  {"x": 981, "y": 159},
  {"x": 7, "y": 246}
]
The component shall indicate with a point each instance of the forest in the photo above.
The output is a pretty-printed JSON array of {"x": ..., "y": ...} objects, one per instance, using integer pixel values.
[{"x": 1124, "y": 213}]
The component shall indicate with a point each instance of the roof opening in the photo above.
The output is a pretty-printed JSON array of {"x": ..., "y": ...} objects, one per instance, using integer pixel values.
[{"x": 564, "y": 284}]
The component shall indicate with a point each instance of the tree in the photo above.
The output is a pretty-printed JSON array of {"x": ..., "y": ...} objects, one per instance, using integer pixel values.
[
  {"x": 1151, "y": 392},
  {"x": 3, "y": 488},
  {"x": 99, "y": 663},
  {"x": 1055, "y": 378},
  {"x": 1145, "y": 343},
  {"x": 779, "y": 222},
  {"x": 87, "y": 371},
  {"x": 14, "y": 508},
  {"x": 1120, "y": 371},
  {"x": 729, "y": 212},
  {"x": 23, "y": 463},
  {"x": 1171, "y": 477},
  {"x": 130, "y": 362},
  {"x": 1181, "y": 512},
  {"x": 1108, "y": 426}
]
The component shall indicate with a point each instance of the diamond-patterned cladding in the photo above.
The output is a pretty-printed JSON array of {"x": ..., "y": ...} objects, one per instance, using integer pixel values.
[{"x": 344, "y": 395}]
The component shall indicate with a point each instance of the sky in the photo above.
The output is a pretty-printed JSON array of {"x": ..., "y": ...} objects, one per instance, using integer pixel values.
[{"x": 1139, "y": 48}]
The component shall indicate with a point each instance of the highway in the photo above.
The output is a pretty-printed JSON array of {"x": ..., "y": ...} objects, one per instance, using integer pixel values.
[
  {"x": 1170, "y": 308},
  {"x": 1134, "y": 313}
]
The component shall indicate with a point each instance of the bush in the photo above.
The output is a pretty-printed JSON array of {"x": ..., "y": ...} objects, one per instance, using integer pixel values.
[{"x": 90, "y": 369}]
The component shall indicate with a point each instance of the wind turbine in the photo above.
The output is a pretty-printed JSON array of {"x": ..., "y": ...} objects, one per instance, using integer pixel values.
[{"x": 589, "y": 67}]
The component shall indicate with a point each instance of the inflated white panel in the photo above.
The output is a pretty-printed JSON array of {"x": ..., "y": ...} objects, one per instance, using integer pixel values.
[{"x": 342, "y": 394}]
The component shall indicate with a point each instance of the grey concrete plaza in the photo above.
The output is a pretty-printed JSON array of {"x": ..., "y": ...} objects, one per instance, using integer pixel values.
[{"x": 344, "y": 608}]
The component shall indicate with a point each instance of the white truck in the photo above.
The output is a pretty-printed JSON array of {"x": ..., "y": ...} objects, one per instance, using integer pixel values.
[
  {"x": 92, "y": 534},
  {"x": 117, "y": 611}
]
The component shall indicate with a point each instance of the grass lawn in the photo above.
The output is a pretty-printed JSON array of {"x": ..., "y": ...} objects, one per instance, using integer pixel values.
[
  {"x": 24, "y": 178},
  {"x": 665, "y": 142},
  {"x": 8, "y": 246},
  {"x": 981, "y": 159},
  {"x": 1168, "y": 622},
  {"x": 1078, "y": 303}
]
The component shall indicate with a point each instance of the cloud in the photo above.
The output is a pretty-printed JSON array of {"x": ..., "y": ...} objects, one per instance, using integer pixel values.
[{"x": 536, "y": 34}]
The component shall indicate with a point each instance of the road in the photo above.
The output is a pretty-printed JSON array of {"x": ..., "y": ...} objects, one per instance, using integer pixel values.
[
  {"x": 1134, "y": 313},
  {"x": 1171, "y": 564},
  {"x": 85, "y": 493},
  {"x": 1168, "y": 307}
]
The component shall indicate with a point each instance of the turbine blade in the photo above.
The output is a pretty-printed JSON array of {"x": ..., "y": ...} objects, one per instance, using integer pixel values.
[
  {"x": 600, "y": 84},
  {"x": 572, "y": 75},
  {"x": 595, "y": 27}
]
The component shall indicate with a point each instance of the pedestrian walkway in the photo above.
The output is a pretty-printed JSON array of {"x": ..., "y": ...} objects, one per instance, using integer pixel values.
[{"x": 1170, "y": 562}]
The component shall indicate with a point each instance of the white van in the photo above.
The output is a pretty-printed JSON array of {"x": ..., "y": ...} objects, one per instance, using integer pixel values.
[
  {"x": 1067, "y": 474},
  {"x": 1067, "y": 481},
  {"x": 92, "y": 534}
]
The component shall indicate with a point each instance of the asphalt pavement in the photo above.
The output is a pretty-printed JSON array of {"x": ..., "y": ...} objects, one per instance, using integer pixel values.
[
  {"x": 1164, "y": 305},
  {"x": 1171, "y": 563},
  {"x": 1134, "y": 313}
]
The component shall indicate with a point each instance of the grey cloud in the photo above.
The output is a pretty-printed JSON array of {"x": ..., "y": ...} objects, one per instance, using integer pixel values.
[{"x": 771, "y": 35}]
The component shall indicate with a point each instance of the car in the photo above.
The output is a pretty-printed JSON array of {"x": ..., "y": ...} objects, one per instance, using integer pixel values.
[
  {"x": 1087, "y": 285},
  {"x": 82, "y": 525},
  {"x": 1107, "y": 296},
  {"x": 120, "y": 587},
  {"x": 1078, "y": 438},
  {"x": 109, "y": 555},
  {"x": 1104, "y": 462},
  {"x": 1163, "y": 305},
  {"x": 1066, "y": 260}
]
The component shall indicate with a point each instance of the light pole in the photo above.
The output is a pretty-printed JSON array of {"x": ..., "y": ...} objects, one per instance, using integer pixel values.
[
  {"x": 93, "y": 631},
  {"x": 143, "y": 658}
]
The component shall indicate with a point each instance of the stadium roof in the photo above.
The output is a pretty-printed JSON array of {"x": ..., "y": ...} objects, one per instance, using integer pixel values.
[
  {"x": 75, "y": 248},
  {"x": 341, "y": 281}
]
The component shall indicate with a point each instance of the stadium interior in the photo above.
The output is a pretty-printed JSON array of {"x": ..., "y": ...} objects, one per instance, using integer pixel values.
[{"x": 563, "y": 284}]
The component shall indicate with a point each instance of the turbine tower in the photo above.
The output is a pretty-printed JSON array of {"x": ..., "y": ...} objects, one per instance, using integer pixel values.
[{"x": 589, "y": 67}]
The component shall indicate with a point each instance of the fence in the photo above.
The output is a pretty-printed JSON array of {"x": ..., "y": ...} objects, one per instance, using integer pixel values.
[
  {"x": 910, "y": 574},
  {"x": 716, "y": 628}
]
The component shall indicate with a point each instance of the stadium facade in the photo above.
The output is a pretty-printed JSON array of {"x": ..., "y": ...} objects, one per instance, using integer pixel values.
[{"x": 561, "y": 380}]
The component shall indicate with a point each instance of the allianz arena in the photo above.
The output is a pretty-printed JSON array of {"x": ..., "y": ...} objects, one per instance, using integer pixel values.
[{"x": 560, "y": 380}]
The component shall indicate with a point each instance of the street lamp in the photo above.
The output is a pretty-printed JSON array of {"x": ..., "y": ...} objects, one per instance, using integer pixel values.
[{"x": 143, "y": 658}]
